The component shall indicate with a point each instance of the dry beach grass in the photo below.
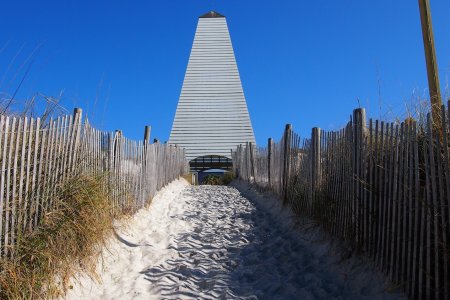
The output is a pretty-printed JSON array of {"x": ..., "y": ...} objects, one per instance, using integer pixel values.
[{"x": 68, "y": 240}]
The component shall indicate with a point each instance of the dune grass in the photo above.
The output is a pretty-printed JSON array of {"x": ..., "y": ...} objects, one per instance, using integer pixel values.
[{"x": 67, "y": 241}]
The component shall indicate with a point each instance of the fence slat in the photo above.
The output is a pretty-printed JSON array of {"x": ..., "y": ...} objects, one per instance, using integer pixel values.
[
  {"x": 39, "y": 139},
  {"x": 5, "y": 132},
  {"x": 8, "y": 187},
  {"x": 384, "y": 189}
]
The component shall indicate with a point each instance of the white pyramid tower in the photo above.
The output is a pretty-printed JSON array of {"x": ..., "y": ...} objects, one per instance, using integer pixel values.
[{"x": 212, "y": 116}]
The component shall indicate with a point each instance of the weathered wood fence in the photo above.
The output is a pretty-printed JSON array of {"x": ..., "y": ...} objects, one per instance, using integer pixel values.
[
  {"x": 382, "y": 187},
  {"x": 36, "y": 159}
]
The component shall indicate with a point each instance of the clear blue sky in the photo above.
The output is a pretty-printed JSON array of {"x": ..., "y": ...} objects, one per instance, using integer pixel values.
[{"x": 301, "y": 62}]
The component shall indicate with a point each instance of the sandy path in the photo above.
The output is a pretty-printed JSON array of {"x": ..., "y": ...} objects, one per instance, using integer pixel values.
[{"x": 209, "y": 242}]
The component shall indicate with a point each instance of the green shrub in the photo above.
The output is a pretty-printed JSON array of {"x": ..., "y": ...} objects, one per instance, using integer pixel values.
[
  {"x": 228, "y": 177},
  {"x": 212, "y": 180}
]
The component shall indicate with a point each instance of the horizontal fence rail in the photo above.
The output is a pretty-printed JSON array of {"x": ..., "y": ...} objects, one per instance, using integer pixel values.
[
  {"x": 382, "y": 187},
  {"x": 36, "y": 159}
]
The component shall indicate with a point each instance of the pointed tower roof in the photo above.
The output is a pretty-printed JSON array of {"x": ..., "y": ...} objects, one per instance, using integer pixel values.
[
  {"x": 212, "y": 116},
  {"x": 212, "y": 14}
]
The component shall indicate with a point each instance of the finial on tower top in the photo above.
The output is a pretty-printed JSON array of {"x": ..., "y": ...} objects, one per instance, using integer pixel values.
[{"x": 212, "y": 14}]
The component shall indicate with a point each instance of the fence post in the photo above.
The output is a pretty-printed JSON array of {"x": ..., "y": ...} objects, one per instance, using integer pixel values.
[
  {"x": 431, "y": 61},
  {"x": 252, "y": 163},
  {"x": 77, "y": 113},
  {"x": 286, "y": 159},
  {"x": 147, "y": 130},
  {"x": 359, "y": 133},
  {"x": 315, "y": 165},
  {"x": 269, "y": 160}
]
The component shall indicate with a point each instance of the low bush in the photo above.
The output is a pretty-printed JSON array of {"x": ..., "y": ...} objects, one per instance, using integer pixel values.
[
  {"x": 228, "y": 177},
  {"x": 212, "y": 180}
]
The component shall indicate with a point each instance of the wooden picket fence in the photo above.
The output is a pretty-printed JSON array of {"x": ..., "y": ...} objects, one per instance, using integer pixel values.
[
  {"x": 36, "y": 159},
  {"x": 382, "y": 187}
]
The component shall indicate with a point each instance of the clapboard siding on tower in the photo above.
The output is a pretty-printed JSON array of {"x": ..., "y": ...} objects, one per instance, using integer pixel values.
[{"x": 212, "y": 116}]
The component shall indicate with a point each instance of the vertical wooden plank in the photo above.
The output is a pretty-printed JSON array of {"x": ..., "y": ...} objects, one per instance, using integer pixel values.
[
  {"x": 399, "y": 204},
  {"x": 435, "y": 210},
  {"x": 369, "y": 190},
  {"x": 376, "y": 191},
  {"x": 120, "y": 183},
  {"x": 9, "y": 198},
  {"x": 388, "y": 192},
  {"x": 389, "y": 196},
  {"x": 125, "y": 172},
  {"x": 315, "y": 167},
  {"x": 123, "y": 169},
  {"x": 338, "y": 189},
  {"x": 49, "y": 169},
  {"x": 94, "y": 151},
  {"x": 116, "y": 158},
  {"x": 442, "y": 248},
  {"x": 445, "y": 197},
  {"x": 98, "y": 151},
  {"x": 22, "y": 202},
  {"x": 68, "y": 149},
  {"x": 363, "y": 187},
  {"x": 111, "y": 171},
  {"x": 39, "y": 142},
  {"x": 286, "y": 153},
  {"x": 406, "y": 254},
  {"x": 139, "y": 174},
  {"x": 447, "y": 163},
  {"x": 14, "y": 205},
  {"x": 2, "y": 146},
  {"x": 425, "y": 226},
  {"x": 341, "y": 180},
  {"x": 62, "y": 153},
  {"x": 330, "y": 204},
  {"x": 269, "y": 161},
  {"x": 56, "y": 160},
  {"x": 356, "y": 179},
  {"x": 394, "y": 204},
  {"x": 429, "y": 219},
  {"x": 444, "y": 203},
  {"x": 349, "y": 228},
  {"x": 381, "y": 181},
  {"x": 132, "y": 173},
  {"x": 73, "y": 147},
  {"x": 251, "y": 163},
  {"x": 41, "y": 177},
  {"x": 91, "y": 150},
  {"x": 409, "y": 210},
  {"x": 78, "y": 119},
  {"x": 418, "y": 220},
  {"x": 142, "y": 174},
  {"x": 4, "y": 122}
]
